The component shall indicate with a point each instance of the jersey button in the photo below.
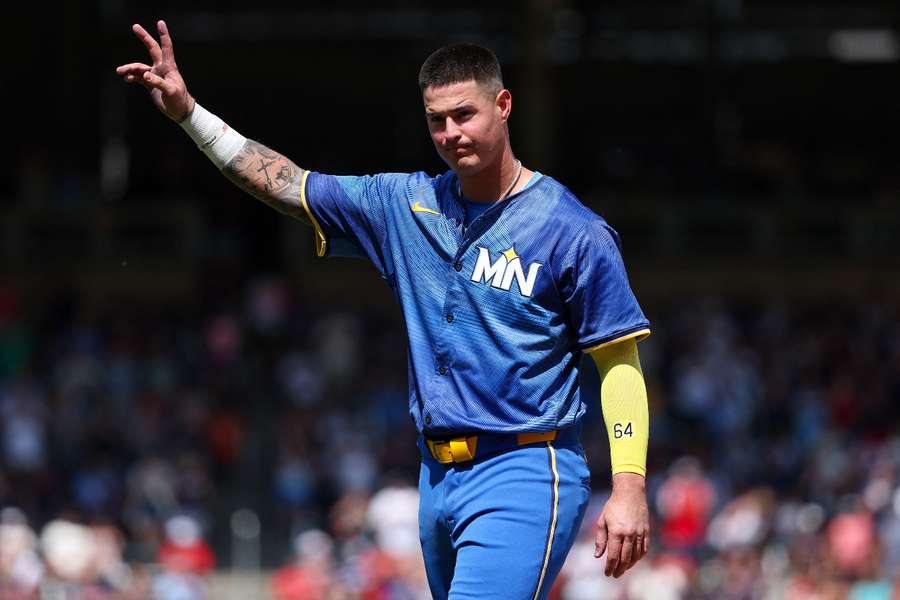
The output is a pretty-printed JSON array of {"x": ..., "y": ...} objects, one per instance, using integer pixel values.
[
  {"x": 428, "y": 419},
  {"x": 442, "y": 370},
  {"x": 457, "y": 265},
  {"x": 449, "y": 318}
]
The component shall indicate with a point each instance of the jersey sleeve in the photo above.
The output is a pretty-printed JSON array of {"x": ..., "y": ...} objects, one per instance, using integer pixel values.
[
  {"x": 349, "y": 214},
  {"x": 601, "y": 306}
]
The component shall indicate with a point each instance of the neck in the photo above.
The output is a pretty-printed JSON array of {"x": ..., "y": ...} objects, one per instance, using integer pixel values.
[{"x": 489, "y": 184}]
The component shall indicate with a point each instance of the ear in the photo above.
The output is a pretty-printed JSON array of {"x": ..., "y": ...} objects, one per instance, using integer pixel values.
[{"x": 503, "y": 102}]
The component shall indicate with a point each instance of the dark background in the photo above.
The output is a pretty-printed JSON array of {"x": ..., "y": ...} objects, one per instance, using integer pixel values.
[{"x": 720, "y": 131}]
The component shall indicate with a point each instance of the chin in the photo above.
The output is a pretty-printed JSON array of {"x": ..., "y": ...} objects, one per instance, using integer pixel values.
[{"x": 467, "y": 165}]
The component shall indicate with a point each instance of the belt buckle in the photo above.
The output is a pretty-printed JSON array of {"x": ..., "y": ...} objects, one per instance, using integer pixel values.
[
  {"x": 457, "y": 450},
  {"x": 440, "y": 451},
  {"x": 463, "y": 449}
]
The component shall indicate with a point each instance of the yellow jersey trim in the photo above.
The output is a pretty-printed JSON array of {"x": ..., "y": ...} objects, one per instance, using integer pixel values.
[
  {"x": 639, "y": 336},
  {"x": 321, "y": 241},
  {"x": 549, "y": 549}
]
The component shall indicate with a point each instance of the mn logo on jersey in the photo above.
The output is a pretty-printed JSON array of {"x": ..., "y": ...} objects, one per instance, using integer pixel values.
[{"x": 501, "y": 272}]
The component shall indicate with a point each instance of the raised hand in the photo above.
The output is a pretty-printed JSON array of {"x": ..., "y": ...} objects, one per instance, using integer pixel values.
[{"x": 162, "y": 79}]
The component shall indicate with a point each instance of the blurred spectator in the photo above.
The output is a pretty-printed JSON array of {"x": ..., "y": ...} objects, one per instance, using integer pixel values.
[
  {"x": 184, "y": 550},
  {"x": 23, "y": 413},
  {"x": 684, "y": 503},
  {"x": 393, "y": 516},
  {"x": 398, "y": 569},
  {"x": 852, "y": 544},
  {"x": 185, "y": 559},
  {"x": 21, "y": 568},
  {"x": 664, "y": 577},
  {"x": 309, "y": 577},
  {"x": 68, "y": 549},
  {"x": 743, "y": 522}
]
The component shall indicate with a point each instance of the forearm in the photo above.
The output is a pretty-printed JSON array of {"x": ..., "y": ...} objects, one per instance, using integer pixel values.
[
  {"x": 623, "y": 396},
  {"x": 260, "y": 171},
  {"x": 269, "y": 177}
]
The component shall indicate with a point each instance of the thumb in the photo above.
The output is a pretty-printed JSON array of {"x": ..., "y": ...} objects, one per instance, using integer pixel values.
[{"x": 600, "y": 538}]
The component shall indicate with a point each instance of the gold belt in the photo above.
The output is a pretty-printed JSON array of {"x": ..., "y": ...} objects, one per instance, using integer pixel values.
[{"x": 463, "y": 449}]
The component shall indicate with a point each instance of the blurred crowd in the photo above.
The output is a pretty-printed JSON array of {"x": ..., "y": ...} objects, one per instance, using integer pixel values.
[{"x": 131, "y": 432}]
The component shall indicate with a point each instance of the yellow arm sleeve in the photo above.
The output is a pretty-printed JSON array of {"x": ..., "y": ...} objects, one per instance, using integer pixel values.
[{"x": 623, "y": 396}]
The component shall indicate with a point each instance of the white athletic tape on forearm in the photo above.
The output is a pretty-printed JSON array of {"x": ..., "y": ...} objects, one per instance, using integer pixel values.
[{"x": 213, "y": 136}]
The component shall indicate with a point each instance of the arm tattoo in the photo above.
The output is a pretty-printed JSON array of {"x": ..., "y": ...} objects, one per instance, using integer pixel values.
[{"x": 268, "y": 176}]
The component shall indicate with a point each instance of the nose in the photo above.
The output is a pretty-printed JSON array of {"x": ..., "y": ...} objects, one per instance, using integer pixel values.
[{"x": 452, "y": 132}]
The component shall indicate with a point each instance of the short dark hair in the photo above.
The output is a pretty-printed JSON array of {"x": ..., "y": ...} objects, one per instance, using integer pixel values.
[{"x": 461, "y": 62}]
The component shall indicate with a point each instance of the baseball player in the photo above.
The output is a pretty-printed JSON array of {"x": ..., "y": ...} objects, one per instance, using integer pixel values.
[{"x": 504, "y": 279}]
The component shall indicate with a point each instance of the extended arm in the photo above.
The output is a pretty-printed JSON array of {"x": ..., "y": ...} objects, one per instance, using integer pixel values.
[
  {"x": 256, "y": 169},
  {"x": 623, "y": 527}
]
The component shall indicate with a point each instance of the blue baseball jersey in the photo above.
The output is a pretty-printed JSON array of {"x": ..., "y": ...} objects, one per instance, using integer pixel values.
[{"x": 497, "y": 313}]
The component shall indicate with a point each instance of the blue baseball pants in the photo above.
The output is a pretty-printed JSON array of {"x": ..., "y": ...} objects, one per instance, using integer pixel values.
[{"x": 500, "y": 526}]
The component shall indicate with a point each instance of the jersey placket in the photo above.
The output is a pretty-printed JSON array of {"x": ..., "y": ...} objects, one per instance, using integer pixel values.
[
  {"x": 456, "y": 278},
  {"x": 443, "y": 357}
]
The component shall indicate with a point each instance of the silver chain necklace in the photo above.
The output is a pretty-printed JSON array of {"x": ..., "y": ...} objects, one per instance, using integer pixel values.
[{"x": 508, "y": 190}]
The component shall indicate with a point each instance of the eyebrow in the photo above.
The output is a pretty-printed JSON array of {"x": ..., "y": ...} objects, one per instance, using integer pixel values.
[{"x": 434, "y": 113}]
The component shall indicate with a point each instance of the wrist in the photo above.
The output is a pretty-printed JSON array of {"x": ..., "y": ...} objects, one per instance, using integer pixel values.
[
  {"x": 191, "y": 103},
  {"x": 628, "y": 481},
  {"x": 212, "y": 135}
]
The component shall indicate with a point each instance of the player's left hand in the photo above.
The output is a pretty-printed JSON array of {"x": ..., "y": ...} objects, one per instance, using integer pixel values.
[{"x": 623, "y": 529}]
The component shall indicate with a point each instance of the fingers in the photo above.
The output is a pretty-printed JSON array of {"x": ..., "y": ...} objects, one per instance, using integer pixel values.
[
  {"x": 613, "y": 556},
  {"x": 640, "y": 550},
  {"x": 168, "y": 53},
  {"x": 159, "y": 83},
  {"x": 625, "y": 559},
  {"x": 149, "y": 42},
  {"x": 633, "y": 550},
  {"x": 132, "y": 69},
  {"x": 134, "y": 73},
  {"x": 624, "y": 551},
  {"x": 600, "y": 538}
]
